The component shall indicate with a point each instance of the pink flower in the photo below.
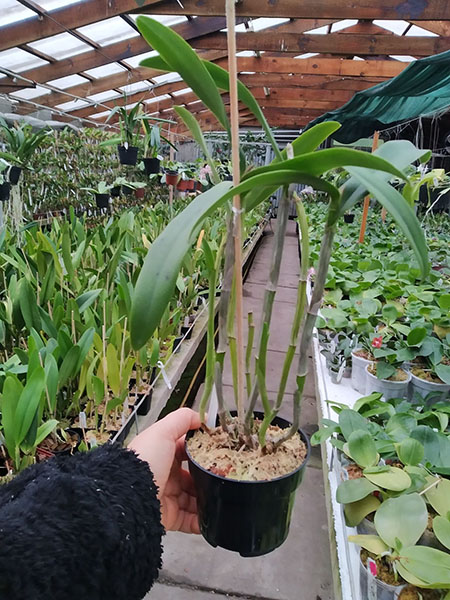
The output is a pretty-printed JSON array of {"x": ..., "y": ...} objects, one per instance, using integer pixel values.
[{"x": 377, "y": 342}]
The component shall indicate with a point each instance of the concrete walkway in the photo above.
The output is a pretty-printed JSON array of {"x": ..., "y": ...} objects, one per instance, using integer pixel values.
[{"x": 300, "y": 569}]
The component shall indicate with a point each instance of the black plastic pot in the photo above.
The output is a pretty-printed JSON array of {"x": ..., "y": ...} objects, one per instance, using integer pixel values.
[
  {"x": 186, "y": 332},
  {"x": 115, "y": 191},
  {"x": 127, "y": 156},
  {"x": 145, "y": 406},
  {"x": 249, "y": 517},
  {"x": 151, "y": 165},
  {"x": 5, "y": 190},
  {"x": 349, "y": 218},
  {"x": 177, "y": 343},
  {"x": 14, "y": 174},
  {"x": 127, "y": 190},
  {"x": 102, "y": 200}
]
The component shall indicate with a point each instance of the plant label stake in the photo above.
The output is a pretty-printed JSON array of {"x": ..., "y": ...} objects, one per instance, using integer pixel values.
[
  {"x": 164, "y": 374},
  {"x": 362, "y": 231}
]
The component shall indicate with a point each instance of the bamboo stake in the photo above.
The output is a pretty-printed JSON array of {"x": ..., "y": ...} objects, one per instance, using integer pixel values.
[
  {"x": 237, "y": 234},
  {"x": 362, "y": 231}
]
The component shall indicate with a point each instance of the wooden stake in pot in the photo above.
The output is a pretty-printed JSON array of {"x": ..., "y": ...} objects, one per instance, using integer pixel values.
[{"x": 237, "y": 234}]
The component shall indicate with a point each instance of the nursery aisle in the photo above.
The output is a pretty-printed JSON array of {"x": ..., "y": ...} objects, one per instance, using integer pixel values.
[{"x": 301, "y": 568}]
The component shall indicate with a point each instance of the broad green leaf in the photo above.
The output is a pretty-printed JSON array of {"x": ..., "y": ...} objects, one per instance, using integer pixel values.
[
  {"x": 69, "y": 366},
  {"x": 356, "y": 511},
  {"x": 87, "y": 299},
  {"x": 428, "y": 564},
  {"x": 182, "y": 59},
  {"x": 113, "y": 367},
  {"x": 404, "y": 519},
  {"x": 372, "y": 543},
  {"x": 441, "y": 528},
  {"x": 416, "y": 336},
  {"x": 353, "y": 490},
  {"x": 443, "y": 372},
  {"x": 28, "y": 404},
  {"x": 51, "y": 379},
  {"x": 394, "y": 479},
  {"x": 98, "y": 390},
  {"x": 12, "y": 390},
  {"x": 410, "y": 451},
  {"x": 28, "y": 305},
  {"x": 350, "y": 421},
  {"x": 439, "y": 496},
  {"x": 44, "y": 430},
  {"x": 362, "y": 448}
]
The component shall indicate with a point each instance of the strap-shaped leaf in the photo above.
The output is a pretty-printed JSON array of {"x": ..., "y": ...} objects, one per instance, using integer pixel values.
[
  {"x": 28, "y": 403},
  {"x": 177, "y": 53}
]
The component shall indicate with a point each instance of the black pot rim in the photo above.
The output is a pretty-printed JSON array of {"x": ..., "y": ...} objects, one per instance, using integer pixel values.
[{"x": 303, "y": 437}]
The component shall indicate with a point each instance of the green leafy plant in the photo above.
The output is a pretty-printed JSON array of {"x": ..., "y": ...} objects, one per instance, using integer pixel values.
[{"x": 21, "y": 141}]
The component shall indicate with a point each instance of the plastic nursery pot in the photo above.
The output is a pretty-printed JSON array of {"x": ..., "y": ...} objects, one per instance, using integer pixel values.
[
  {"x": 359, "y": 377},
  {"x": 249, "y": 517},
  {"x": 145, "y": 406},
  {"x": 389, "y": 389},
  {"x": 102, "y": 200},
  {"x": 349, "y": 218},
  {"x": 14, "y": 175},
  {"x": 127, "y": 156},
  {"x": 374, "y": 588},
  {"x": 151, "y": 165},
  {"x": 171, "y": 177},
  {"x": 198, "y": 186},
  {"x": 190, "y": 184},
  {"x": 5, "y": 190},
  {"x": 182, "y": 185},
  {"x": 127, "y": 190},
  {"x": 186, "y": 331},
  {"x": 440, "y": 391},
  {"x": 177, "y": 343},
  {"x": 139, "y": 192},
  {"x": 116, "y": 191}
]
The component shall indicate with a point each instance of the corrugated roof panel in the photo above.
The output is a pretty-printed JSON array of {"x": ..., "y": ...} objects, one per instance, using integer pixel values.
[
  {"x": 168, "y": 20},
  {"x": 72, "y": 105},
  {"x": 65, "y": 82},
  {"x": 105, "y": 70},
  {"x": 108, "y": 31},
  {"x": 60, "y": 46},
  {"x": 343, "y": 24},
  {"x": 104, "y": 96},
  {"x": 415, "y": 30},
  {"x": 18, "y": 60},
  {"x": 134, "y": 61},
  {"x": 138, "y": 86},
  {"x": 13, "y": 12},
  {"x": 397, "y": 27},
  {"x": 55, "y": 4},
  {"x": 30, "y": 93}
]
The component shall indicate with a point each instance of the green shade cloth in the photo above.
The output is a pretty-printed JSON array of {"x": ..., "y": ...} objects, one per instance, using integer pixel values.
[{"x": 421, "y": 89}]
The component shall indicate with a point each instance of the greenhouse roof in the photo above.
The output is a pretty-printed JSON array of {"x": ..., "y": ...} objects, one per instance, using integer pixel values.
[{"x": 301, "y": 59}]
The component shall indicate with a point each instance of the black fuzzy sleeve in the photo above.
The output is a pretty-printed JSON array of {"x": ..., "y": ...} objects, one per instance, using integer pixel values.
[{"x": 86, "y": 527}]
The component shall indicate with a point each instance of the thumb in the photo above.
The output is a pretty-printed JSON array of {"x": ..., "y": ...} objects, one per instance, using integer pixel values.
[{"x": 178, "y": 423}]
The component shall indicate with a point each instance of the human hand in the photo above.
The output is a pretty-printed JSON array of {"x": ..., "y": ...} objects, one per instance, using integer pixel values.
[{"x": 162, "y": 446}]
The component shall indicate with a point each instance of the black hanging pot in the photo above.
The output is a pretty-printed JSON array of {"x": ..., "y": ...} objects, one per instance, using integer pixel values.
[
  {"x": 127, "y": 190},
  {"x": 5, "y": 189},
  {"x": 349, "y": 218},
  {"x": 249, "y": 517},
  {"x": 14, "y": 174},
  {"x": 151, "y": 165},
  {"x": 102, "y": 200},
  {"x": 127, "y": 156},
  {"x": 115, "y": 191}
]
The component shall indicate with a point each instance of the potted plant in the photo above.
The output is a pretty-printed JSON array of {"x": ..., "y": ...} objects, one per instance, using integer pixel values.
[
  {"x": 152, "y": 144},
  {"x": 236, "y": 497},
  {"x": 130, "y": 124},
  {"x": 431, "y": 375},
  {"x": 101, "y": 193},
  {"x": 21, "y": 143},
  {"x": 361, "y": 358},
  {"x": 5, "y": 186},
  {"x": 128, "y": 187}
]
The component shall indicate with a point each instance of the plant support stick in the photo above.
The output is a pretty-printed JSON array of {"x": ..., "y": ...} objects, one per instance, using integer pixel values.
[{"x": 234, "y": 114}]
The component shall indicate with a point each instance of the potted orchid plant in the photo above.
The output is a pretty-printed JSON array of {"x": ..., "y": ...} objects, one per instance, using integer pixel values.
[{"x": 264, "y": 456}]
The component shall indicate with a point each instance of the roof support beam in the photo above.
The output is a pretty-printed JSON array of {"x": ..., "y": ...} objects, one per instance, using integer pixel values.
[
  {"x": 333, "y": 43},
  {"x": 432, "y": 10}
]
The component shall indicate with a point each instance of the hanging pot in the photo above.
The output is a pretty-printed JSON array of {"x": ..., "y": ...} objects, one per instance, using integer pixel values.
[
  {"x": 249, "y": 517},
  {"x": 440, "y": 391},
  {"x": 102, "y": 200},
  {"x": 115, "y": 191},
  {"x": 127, "y": 190},
  {"x": 389, "y": 389},
  {"x": 359, "y": 376},
  {"x": 139, "y": 192},
  {"x": 127, "y": 155},
  {"x": 171, "y": 177},
  {"x": 349, "y": 218},
  {"x": 151, "y": 165},
  {"x": 5, "y": 190},
  {"x": 14, "y": 174}
]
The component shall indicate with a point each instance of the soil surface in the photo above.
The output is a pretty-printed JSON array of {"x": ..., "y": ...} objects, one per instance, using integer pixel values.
[
  {"x": 426, "y": 375},
  {"x": 399, "y": 375},
  {"x": 361, "y": 353},
  {"x": 216, "y": 453},
  {"x": 412, "y": 593},
  {"x": 354, "y": 472}
]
